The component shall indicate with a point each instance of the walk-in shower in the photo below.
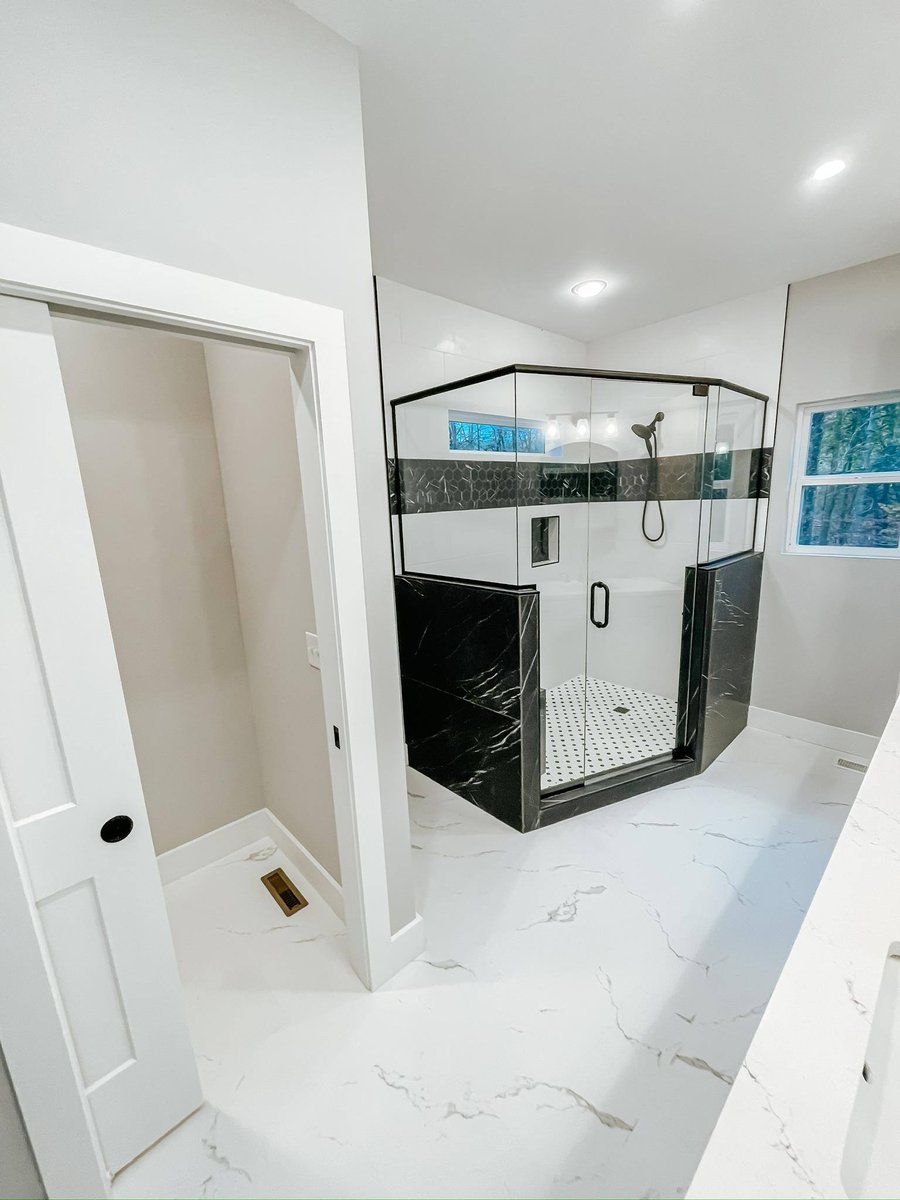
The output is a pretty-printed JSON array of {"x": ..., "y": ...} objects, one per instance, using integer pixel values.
[{"x": 561, "y": 644}]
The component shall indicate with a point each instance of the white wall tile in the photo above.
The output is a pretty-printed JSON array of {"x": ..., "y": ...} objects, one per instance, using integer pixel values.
[
  {"x": 463, "y": 544},
  {"x": 417, "y": 325},
  {"x": 739, "y": 340},
  {"x": 410, "y": 369},
  {"x": 458, "y": 366}
]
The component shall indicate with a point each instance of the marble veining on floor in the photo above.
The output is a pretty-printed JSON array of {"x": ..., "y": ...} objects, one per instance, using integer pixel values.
[
  {"x": 595, "y": 726},
  {"x": 573, "y": 1028}
]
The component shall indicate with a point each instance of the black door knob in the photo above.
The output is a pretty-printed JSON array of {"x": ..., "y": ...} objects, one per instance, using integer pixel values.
[{"x": 116, "y": 828}]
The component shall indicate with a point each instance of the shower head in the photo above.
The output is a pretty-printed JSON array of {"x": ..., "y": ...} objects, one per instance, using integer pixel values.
[
  {"x": 646, "y": 432},
  {"x": 642, "y": 431}
]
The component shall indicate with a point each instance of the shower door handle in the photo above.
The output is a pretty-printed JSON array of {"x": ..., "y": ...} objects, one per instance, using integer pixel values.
[{"x": 600, "y": 624}]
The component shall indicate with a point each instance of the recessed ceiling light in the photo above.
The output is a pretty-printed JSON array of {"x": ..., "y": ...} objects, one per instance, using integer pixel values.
[
  {"x": 829, "y": 169},
  {"x": 589, "y": 288}
]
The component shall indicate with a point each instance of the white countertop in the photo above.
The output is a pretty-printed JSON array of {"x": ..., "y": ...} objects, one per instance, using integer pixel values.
[{"x": 783, "y": 1127}]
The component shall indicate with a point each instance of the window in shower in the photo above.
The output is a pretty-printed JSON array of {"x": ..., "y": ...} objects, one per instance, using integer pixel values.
[
  {"x": 480, "y": 434},
  {"x": 845, "y": 496}
]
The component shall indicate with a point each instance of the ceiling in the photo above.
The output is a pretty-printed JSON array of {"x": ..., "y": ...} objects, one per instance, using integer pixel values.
[{"x": 515, "y": 147}]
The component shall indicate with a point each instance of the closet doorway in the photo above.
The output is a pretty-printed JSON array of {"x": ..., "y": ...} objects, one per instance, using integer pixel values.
[{"x": 179, "y": 512}]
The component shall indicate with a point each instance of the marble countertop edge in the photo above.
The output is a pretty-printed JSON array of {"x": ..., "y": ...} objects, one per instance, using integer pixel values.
[{"x": 781, "y": 1132}]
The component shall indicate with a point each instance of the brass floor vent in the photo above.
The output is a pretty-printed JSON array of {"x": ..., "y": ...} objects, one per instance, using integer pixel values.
[
  {"x": 288, "y": 897},
  {"x": 850, "y": 765}
]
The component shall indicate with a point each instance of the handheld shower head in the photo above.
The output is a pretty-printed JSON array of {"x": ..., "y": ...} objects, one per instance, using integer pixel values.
[
  {"x": 646, "y": 432},
  {"x": 643, "y": 432}
]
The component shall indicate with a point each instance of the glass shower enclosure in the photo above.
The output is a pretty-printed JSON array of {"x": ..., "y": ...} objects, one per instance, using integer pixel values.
[{"x": 603, "y": 492}]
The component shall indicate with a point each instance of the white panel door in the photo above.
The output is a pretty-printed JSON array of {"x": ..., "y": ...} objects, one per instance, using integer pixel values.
[{"x": 68, "y": 766}]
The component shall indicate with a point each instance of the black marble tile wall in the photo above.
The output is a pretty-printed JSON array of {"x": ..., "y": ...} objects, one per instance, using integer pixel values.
[
  {"x": 420, "y": 485},
  {"x": 726, "y": 612},
  {"x": 451, "y": 485},
  {"x": 469, "y": 669},
  {"x": 530, "y": 715},
  {"x": 687, "y": 722},
  {"x": 461, "y": 638},
  {"x": 393, "y": 489},
  {"x": 675, "y": 477},
  {"x": 467, "y": 748},
  {"x": 761, "y": 472},
  {"x": 551, "y": 483}
]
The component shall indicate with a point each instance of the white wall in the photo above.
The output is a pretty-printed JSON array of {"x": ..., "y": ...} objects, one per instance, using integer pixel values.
[
  {"x": 146, "y": 445},
  {"x": 829, "y": 635},
  {"x": 225, "y": 137},
  {"x": 252, "y": 409}
]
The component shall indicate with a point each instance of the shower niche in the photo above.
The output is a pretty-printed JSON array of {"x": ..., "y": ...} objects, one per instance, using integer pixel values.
[{"x": 578, "y": 582}]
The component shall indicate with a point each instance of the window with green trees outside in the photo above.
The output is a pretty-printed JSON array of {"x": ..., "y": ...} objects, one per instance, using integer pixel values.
[{"x": 846, "y": 495}]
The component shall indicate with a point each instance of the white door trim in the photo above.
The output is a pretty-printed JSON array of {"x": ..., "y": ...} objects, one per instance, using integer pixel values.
[{"x": 85, "y": 278}]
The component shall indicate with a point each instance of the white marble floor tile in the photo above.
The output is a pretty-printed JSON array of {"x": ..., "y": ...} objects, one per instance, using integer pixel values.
[{"x": 586, "y": 996}]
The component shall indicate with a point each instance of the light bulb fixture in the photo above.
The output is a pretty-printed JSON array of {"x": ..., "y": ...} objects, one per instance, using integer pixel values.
[
  {"x": 583, "y": 428},
  {"x": 829, "y": 169},
  {"x": 589, "y": 288},
  {"x": 612, "y": 425},
  {"x": 553, "y": 429}
]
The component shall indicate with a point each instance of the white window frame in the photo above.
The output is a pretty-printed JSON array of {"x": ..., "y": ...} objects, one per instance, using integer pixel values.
[{"x": 799, "y": 478}]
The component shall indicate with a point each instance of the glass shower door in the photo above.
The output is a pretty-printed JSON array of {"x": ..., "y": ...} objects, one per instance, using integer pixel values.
[
  {"x": 553, "y": 476},
  {"x": 646, "y": 471}
]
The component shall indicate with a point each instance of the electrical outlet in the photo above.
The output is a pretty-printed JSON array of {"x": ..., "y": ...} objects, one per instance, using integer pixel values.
[{"x": 312, "y": 650}]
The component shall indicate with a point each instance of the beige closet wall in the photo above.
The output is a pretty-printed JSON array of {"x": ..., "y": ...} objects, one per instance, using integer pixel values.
[
  {"x": 252, "y": 408},
  {"x": 146, "y": 444}
]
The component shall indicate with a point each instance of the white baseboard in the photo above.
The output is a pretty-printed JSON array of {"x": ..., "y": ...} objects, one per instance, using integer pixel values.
[
  {"x": 832, "y": 737},
  {"x": 210, "y": 847},
  {"x": 326, "y": 885}
]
